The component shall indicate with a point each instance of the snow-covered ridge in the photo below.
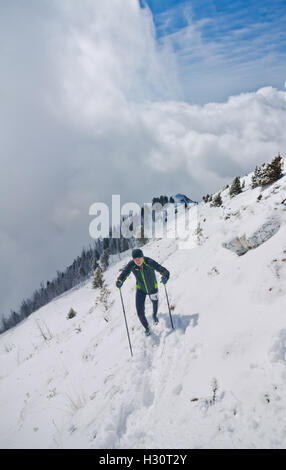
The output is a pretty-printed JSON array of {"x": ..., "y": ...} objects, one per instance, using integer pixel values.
[
  {"x": 217, "y": 381},
  {"x": 182, "y": 198}
]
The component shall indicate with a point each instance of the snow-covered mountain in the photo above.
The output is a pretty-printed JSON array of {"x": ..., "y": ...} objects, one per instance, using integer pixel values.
[
  {"x": 217, "y": 381},
  {"x": 182, "y": 198}
]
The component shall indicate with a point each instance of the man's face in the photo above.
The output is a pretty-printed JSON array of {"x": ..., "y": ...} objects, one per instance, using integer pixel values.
[{"x": 138, "y": 261}]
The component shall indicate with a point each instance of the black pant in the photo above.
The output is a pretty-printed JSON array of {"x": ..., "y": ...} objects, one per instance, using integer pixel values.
[{"x": 140, "y": 307}]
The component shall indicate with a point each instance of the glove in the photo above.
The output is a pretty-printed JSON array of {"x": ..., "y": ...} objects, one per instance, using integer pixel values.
[
  {"x": 119, "y": 283},
  {"x": 164, "y": 279}
]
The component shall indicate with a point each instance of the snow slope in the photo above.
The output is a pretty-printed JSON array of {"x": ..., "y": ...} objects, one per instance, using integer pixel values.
[{"x": 217, "y": 381}]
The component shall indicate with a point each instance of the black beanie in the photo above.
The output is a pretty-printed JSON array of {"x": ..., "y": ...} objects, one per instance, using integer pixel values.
[{"x": 137, "y": 253}]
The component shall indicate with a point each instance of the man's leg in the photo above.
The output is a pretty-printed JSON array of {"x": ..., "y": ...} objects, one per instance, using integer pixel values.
[
  {"x": 140, "y": 307},
  {"x": 155, "y": 307},
  {"x": 155, "y": 301}
]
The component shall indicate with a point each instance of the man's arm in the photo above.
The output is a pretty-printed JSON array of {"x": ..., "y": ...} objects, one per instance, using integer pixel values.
[
  {"x": 126, "y": 271},
  {"x": 151, "y": 262}
]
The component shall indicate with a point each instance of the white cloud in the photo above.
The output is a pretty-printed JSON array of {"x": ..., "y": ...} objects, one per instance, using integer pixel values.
[
  {"x": 114, "y": 77},
  {"x": 237, "y": 134},
  {"x": 109, "y": 86},
  {"x": 110, "y": 59}
]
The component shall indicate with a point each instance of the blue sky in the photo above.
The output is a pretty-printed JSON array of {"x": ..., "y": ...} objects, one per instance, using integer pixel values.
[
  {"x": 239, "y": 15},
  {"x": 242, "y": 43}
]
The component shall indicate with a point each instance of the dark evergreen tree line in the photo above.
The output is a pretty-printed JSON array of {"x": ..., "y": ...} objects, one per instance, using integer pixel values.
[{"x": 162, "y": 200}]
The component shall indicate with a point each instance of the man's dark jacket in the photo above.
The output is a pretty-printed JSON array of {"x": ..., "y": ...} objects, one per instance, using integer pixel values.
[{"x": 145, "y": 274}]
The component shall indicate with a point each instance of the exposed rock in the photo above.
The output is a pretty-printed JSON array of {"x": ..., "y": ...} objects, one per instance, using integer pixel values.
[{"x": 240, "y": 245}]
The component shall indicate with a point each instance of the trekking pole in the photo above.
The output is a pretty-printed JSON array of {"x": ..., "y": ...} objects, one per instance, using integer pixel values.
[
  {"x": 126, "y": 323},
  {"x": 169, "y": 307}
]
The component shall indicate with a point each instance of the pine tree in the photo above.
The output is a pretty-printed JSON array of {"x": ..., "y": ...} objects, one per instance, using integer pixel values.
[
  {"x": 97, "y": 279},
  {"x": 267, "y": 174},
  {"x": 142, "y": 240},
  {"x": 105, "y": 260},
  {"x": 235, "y": 187},
  {"x": 71, "y": 314},
  {"x": 124, "y": 244},
  {"x": 217, "y": 201},
  {"x": 273, "y": 170},
  {"x": 257, "y": 176}
]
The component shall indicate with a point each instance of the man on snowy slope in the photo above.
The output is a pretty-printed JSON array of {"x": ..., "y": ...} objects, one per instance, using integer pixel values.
[{"x": 146, "y": 283}]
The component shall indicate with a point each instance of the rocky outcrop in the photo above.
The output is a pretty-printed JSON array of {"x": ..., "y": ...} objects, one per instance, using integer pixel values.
[{"x": 241, "y": 245}]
